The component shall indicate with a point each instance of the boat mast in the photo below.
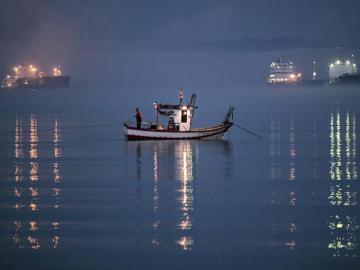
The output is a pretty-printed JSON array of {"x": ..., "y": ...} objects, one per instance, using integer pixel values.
[
  {"x": 181, "y": 95},
  {"x": 314, "y": 71},
  {"x": 157, "y": 113}
]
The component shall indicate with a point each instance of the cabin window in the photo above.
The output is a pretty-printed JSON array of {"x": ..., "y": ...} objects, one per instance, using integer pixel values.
[{"x": 184, "y": 116}]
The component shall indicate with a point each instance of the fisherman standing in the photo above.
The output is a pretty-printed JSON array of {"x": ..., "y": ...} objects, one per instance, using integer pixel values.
[{"x": 138, "y": 118}]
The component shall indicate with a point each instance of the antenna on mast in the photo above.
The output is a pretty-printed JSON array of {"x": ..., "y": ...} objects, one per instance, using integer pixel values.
[{"x": 314, "y": 71}]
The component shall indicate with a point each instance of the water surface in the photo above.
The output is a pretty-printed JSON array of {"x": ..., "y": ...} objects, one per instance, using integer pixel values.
[{"x": 75, "y": 195}]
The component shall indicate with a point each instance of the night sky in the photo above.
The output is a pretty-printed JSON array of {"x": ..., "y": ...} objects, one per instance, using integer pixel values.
[{"x": 53, "y": 31}]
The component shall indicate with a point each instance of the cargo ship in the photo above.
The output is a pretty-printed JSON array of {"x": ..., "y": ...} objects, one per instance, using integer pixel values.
[
  {"x": 283, "y": 73},
  {"x": 30, "y": 77},
  {"x": 343, "y": 72}
]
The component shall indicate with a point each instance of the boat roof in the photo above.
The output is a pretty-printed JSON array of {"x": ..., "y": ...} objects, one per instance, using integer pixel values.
[{"x": 172, "y": 106}]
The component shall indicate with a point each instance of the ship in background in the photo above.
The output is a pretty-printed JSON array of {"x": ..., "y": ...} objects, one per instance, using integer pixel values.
[
  {"x": 344, "y": 72},
  {"x": 283, "y": 73},
  {"x": 30, "y": 77}
]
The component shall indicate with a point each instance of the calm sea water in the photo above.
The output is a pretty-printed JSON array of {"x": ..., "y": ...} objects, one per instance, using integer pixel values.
[{"x": 75, "y": 195}]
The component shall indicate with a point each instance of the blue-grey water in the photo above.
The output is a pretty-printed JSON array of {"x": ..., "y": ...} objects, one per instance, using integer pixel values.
[{"x": 75, "y": 195}]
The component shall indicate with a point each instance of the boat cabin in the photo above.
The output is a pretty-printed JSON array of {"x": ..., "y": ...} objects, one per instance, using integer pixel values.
[{"x": 180, "y": 116}]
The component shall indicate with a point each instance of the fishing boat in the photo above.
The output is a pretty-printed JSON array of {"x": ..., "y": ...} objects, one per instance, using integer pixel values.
[{"x": 179, "y": 124}]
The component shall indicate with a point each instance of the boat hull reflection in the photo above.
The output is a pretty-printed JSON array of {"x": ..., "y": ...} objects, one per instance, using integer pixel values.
[{"x": 175, "y": 166}]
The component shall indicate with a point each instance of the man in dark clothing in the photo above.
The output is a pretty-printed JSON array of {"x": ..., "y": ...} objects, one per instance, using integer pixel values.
[{"x": 138, "y": 118}]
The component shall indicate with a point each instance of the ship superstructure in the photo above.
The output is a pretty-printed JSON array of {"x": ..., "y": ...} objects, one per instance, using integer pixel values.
[
  {"x": 343, "y": 71},
  {"x": 283, "y": 73},
  {"x": 31, "y": 77}
]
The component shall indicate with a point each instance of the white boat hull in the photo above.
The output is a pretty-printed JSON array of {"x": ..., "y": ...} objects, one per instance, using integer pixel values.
[{"x": 215, "y": 132}]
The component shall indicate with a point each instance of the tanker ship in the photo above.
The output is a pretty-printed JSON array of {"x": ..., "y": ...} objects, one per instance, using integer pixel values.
[
  {"x": 343, "y": 72},
  {"x": 30, "y": 77}
]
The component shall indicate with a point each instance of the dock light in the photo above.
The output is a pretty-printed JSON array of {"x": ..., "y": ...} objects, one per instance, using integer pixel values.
[
  {"x": 299, "y": 75},
  {"x": 354, "y": 65},
  {"x": 331, "y": 65},
  {"x": 184, "y": 107},
  {"x": 338, "y": 62},
  {"x": 348, "y": 62},
  {"x": 292, "y": 76}
]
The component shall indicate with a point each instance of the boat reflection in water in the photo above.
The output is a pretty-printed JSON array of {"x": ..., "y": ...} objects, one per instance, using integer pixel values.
[
  {"x": 28, "y": 183},
  {"x": 186, "y": 157},
  {"x": 175, "y": 161},
  {"x": 343, "y": 223}
]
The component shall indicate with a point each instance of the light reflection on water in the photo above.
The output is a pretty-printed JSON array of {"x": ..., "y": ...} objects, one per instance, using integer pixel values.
[
  {"x": 292, "y": 195},
  {"x": 343, "y": 228},
  {"x": 28, "y": 191},
  {"x": 185, "y": 156},
  {"x": 279, "y": 149}
]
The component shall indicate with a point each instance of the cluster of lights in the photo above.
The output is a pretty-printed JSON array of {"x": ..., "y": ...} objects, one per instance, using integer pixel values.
[
  {"x": 17, "y": 69},
  {"x": 56, "y": 71},
  {"x": 32, "y": 69},
  {"x": 338, "y": 62},
  {"x": 292, "y": 78}
]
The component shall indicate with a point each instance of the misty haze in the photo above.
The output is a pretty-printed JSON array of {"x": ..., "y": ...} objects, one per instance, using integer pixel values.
[{"x": 259, "y": 169}]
